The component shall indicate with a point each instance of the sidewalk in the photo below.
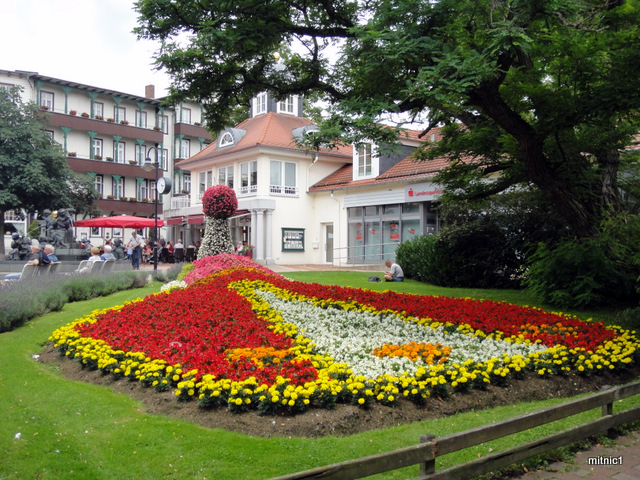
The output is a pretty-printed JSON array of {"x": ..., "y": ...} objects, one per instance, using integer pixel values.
[{"x": 620, "y": 461}]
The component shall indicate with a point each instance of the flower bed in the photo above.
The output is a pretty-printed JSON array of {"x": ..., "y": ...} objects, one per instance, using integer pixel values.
[{"x": 247, "y": 339}]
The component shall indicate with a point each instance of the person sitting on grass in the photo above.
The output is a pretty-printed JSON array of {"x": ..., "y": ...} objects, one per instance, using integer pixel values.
[{"x": 394, "y": 274}]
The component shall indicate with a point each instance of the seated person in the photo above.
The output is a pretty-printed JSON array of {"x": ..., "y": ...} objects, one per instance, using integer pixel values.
[
  {"x": 108, "y": 255},
  {"x": 394, "y": 274},
  {"x": 49, "y": 255},
  {"x": 95, "y": 255},
  {"x": 36, "y": 258}
]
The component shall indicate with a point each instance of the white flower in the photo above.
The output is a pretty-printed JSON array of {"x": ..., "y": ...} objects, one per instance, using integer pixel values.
[{"x": 350, "y": 337}]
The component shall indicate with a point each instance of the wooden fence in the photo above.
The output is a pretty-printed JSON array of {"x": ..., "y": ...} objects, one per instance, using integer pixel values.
[{"x": 425, "y": 453}]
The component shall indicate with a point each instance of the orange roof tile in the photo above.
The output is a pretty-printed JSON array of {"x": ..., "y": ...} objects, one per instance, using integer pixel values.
[{"x": 270, "y": 130}]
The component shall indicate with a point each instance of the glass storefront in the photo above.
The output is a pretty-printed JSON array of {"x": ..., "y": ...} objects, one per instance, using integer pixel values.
[{"x": 376, "y": 231}]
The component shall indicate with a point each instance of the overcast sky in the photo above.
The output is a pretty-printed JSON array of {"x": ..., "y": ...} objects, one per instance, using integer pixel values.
[{"x": 85, "y": 41}]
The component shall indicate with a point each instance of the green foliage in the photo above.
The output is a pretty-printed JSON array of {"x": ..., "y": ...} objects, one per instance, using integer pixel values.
[
  {"x": 185, "y": 270},
  {"x": 217, "y": 238},
  {"x": 529, "y": 93},
  {"x": 22, "y": 301},
  {"x": 416, "y": 257},
  {"x": 577, "y": 274}
]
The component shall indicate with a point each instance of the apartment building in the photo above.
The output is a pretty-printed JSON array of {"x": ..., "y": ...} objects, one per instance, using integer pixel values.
[{"x": 108, "y": 135}]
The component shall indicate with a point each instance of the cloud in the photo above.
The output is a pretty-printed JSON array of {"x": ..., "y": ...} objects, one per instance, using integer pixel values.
[{"x": 87, "y": 41}]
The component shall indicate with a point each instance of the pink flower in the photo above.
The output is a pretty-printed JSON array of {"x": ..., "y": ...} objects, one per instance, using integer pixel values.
[{"x": 219, "y": 201}]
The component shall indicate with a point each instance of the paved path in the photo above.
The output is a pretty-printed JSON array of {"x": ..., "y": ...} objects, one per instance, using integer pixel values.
[{"x": 618, "y": 461}]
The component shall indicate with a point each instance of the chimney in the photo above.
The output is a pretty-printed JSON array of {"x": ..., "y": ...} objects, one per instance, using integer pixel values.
[{"x": 150, "y": 91}]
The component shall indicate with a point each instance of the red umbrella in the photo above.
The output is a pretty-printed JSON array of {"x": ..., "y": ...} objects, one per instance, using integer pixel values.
[{"x": 119, "y": 221}]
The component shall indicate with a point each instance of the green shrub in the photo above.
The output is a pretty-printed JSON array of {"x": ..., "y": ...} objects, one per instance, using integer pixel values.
[
  {"x": 577, "y": 274},
  {"x": 415, "y": 257},
  {"x": 24, "y": 300}
]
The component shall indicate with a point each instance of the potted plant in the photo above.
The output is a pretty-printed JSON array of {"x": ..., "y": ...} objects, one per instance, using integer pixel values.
[
  {"x": 110, "y": 120},
  {"x": 145, "y": 200},
  {"x": 72, "y": 112},
  {"x": 98, "y": 117},
  {"x": 98, "y": 157},
  {"x": 84, "y": 114},
  {"x": 156, "y": 128},
  {"x": 133, "y": 199},
  {"x": 197, "y": 124},
  {"x": 132, "y": 162},
  {"x": 111, "y": 197},
  {"x": 124, "y": 122},
  {"x": 109, "y": 159},
  {"x": 71, "y": 154},
  {"x": 44, "y": 107},
  {"x": 248, "y": 250},
  {"x": 184, "y": 190}
]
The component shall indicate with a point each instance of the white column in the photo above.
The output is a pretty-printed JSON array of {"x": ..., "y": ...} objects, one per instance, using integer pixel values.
[
  {"x": 269, "y": 237},
  {"x": 259, "y": 235},
  {"x": 254, "y": 228}
]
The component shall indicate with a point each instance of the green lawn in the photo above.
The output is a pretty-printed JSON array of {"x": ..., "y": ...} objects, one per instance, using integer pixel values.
[{"x": 73, "y": 430}]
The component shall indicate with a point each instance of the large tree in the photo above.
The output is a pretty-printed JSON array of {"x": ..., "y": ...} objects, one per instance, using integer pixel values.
[
  {"x": 34, "y": 174},
  {"x": 545, "y": 92}
]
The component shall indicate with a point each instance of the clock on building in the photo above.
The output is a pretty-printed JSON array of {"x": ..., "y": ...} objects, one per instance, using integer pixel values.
[{"x": 164, "y": 185}]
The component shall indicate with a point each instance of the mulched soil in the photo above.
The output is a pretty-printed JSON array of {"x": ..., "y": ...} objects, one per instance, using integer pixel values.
[{"x": 344, "y": 419}]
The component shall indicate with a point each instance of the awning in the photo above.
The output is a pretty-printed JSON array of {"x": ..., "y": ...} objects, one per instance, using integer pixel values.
[
  {"x": 174, "y": 220},
  {"x": 195, "y": 219},
  {"x": 240, "y": 214}
]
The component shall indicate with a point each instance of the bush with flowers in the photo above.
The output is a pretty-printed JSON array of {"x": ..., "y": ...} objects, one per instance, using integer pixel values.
[
  {"x": 219, "y": 201},
  {"x": 218, "y": 204},
  {"x": 247, "y": 339},
  {"x": 217, "y": 263}
]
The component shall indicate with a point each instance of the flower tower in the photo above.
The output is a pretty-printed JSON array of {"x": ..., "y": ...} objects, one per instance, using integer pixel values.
[{"x": 218, "y": 204}]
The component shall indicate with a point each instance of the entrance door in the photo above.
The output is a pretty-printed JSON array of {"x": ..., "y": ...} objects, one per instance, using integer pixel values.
[{"x": 328, "y": 242}]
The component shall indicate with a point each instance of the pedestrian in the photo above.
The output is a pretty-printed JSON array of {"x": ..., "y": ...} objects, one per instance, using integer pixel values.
[{"x": 135, "y": 243}]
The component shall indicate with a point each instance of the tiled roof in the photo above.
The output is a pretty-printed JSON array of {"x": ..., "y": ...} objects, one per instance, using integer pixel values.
[
  {"x": 269, "y": 130},
  {"x": 407, "y": 169}
]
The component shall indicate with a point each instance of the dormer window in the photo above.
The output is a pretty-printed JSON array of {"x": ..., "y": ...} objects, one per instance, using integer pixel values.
[
  {"x": 225, "y": 140},
  {"x": 364, "y": 163},
  {"x": 287, "y": 105},
  {"x": 260, "y": 104}
]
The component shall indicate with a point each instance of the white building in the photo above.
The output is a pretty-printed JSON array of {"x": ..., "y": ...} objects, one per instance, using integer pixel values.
[
  {"x": 341, "y": 207},
  {"x": 108, "y": 135}
]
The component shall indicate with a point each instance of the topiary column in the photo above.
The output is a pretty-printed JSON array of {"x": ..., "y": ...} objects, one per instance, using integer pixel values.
[{"x": 218, "y": 204}]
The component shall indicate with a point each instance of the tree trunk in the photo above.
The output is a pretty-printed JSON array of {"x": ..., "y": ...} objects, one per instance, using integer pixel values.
[{"x": 581, "y": 210}]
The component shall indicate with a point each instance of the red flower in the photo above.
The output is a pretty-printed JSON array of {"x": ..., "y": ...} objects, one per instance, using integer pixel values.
[{"x": 219, "y": 201}]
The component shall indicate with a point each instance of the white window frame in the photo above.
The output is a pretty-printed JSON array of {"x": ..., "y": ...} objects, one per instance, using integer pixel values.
[
  {"x": 185, "y": 148},
  {"x": 119, "y": 113},
  {"x": 279, "y": 183},
  {"x": 185, "y": 115},
  {"x": 144, "y": 190},
  {"x": 225, "y": 176},
  {"x": 226, "y": 139},
  {"x": 119, "y": 152},
  {"x": 117, "y": 188},
  {"x": 98, "y": 109},
  {"x": 98, "y": 148},
  {"x": 249, "y": 177},
  {"x": 365, "y": 161},
  {"x": 47, "y": 99},
  {"x": 288, "y": 105},
  {"x": 186, "y": 182},
  {"x": 98, "y": 183},
  {"x": 141, "y": 119},
  {"x": 260, "y": 104},
  {"x": 202, "y": 184}
]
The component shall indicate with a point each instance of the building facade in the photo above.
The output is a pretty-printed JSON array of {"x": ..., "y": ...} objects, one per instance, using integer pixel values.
[
  {"x": 347, "y": 206},
  {"x": 108, "y": 135}
]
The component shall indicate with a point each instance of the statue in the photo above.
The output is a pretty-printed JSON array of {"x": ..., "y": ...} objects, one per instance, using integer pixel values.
[
  {"x": 118, "y": 250},
  {"x": 20, "y": 247},
  {"x": 61, "y": 233}
]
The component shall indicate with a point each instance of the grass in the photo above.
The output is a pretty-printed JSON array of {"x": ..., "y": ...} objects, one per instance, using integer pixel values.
[{"x": 74, "y": 430}]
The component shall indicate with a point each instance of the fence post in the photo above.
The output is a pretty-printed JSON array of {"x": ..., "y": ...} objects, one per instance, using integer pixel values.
[{"x": 430, "y": 465}]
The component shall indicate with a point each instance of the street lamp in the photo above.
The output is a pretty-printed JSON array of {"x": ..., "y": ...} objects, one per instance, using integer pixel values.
[{"x": 148, "y": 166}]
